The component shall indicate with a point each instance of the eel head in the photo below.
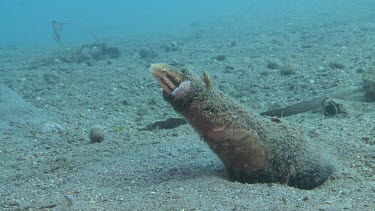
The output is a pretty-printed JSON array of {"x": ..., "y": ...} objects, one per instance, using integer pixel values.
[{"x": 173, "y": 82}]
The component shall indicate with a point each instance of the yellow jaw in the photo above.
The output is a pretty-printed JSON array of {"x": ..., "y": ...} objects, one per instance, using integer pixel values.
[{"x": 168, "y": 78}]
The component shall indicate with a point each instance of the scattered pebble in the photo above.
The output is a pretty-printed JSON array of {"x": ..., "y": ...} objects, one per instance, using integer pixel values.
[
  {"x": 220, "y": 57},
  {"x": 369, "y": 84},
  {"x": 57, "y": 61},
  {"x": 289, "y": 69},
  {"x": 336, "y": 65},
  {"x": 173, "y": 46},
  {"x": 145, "y": 53},
  {"x": 51, "y": 127},
  {"x": 51, "y": 78},
  {"x": 96, "y": 134},
  {"x": 69, "y": 199},
  {"x": 274, "y": 64}
]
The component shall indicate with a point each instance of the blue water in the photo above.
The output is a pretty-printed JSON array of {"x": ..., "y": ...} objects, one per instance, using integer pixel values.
[{"x": 28, "y": 22}]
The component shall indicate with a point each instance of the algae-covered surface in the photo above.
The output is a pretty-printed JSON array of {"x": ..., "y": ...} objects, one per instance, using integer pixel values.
[{"x": 48, "y": 107}]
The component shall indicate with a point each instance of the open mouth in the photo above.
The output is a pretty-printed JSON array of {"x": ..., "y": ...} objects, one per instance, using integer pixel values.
[{"x": 167, "y": 77}]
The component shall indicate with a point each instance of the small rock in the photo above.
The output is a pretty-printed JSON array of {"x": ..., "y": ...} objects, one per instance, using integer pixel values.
[
  {"x": 359, "y": 70},
  {"x": 69, "y": 199},
  {"x": 336, "y": 65},
  {"x": 305, "y": 198},
  {"x": 229, "y": 69},
  {"x": 11, "y": 204},
  {"x": 113, "y": 52},
  {"x": 90, "y": 52},
  {"x": 145, "y": 53},
  {"x": 52, "y": 127},
  {"x": 274, "y": 64},
  {"x": 289, "y": 69},
  {"x": 96, "y": 134},
  {"x": 369, "y": 84},
  {"x": 57, "y": 61},
  {"x": 51, "y": 78},
  {"x": 173, "y": 46},
  {"x": 142, "y": 111},
  {"x": 220, "y": 57}
]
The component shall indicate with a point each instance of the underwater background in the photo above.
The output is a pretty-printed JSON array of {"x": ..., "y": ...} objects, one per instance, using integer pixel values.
[
  {"x": 27, "y": 22},
  {"x": 84, "y": 126}
]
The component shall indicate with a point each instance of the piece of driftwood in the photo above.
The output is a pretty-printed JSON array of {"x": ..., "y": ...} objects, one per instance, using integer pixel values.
[
  {"x": 166, "y": 124},
  {"x": 315, "y": 103}
]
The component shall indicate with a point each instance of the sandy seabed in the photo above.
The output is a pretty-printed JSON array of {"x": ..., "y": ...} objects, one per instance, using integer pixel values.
[{"x": 47, "y": 111}]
